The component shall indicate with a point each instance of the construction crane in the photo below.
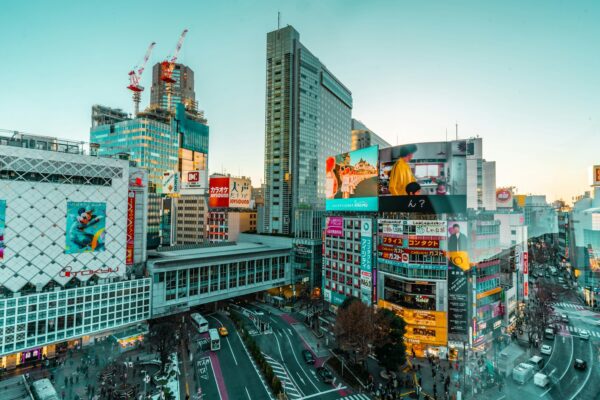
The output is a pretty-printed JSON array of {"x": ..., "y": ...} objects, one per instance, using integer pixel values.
[
  {"x": 168, "y": 66},
  {"x": 135, "y": 75}
]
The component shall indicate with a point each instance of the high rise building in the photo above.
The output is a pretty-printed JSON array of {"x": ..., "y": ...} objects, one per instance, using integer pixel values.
[
  {"x": 364, "y": 137},
  {"x": 182, "y": 91},
  {"x": 159, "y": 141},
  {"x": 308, "y": 117},
  {"x": 71, "y": 230}
]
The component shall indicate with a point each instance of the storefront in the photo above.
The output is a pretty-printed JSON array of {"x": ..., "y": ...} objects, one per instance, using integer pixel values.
[
  {"x": 131, "y": 338},
  {"x": 28, "y": 357}
]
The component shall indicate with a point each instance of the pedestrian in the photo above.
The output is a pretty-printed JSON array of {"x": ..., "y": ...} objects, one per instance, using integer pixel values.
[{"x": 66, "y": 381}]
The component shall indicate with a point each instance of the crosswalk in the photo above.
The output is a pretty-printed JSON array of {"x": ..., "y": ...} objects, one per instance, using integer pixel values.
[
  {"x": 569, "y": 306},
  {"x": 288, "y": 386},
  {"x": 576, "y": 331},
  {"x": 359, "y": 396}
]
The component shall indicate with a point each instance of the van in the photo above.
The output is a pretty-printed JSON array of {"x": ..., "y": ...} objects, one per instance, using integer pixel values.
[
  {"x": 537, "y": 362},
  {"x": 522, "y": 373}
]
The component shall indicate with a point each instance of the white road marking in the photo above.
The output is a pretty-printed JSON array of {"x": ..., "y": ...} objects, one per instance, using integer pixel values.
[
  {"x": 321, "y": 393},
  {"x": 299, "y": 377},
  {"x": 247, "y": 393},
  {"x": 226, "y": 339},
  {"x": 590, "y": 369},
  {"x": 298, "y": 362}
]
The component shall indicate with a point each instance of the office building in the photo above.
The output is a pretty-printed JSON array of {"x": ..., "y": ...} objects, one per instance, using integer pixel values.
[
  {"x": 226, "y": 225},
  {"x": 308, "y": 118},
  {"x": 363, "y": 137},
  {"x": 71, "y": 230},
  {"x": 182, "y": 91},
  {"x": 541, "y": 218},
  {"x": 161, "y": 143}
]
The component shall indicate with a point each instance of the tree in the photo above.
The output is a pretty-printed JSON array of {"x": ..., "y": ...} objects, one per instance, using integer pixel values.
[
  {"x": 390, "y": 349},
  {"x": 353, "y": 329},
  {"x": 163, "y": 341}
]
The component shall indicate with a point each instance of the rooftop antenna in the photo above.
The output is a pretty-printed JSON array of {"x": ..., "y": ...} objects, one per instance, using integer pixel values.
[
  {"x": 278, "y": 20},
  {"x": 456, "y": 131}
]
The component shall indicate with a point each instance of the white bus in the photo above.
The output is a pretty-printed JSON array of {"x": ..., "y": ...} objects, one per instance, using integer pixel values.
[
  {"x": 200, "y": 322},
  {"x": 215, "y": 339}
]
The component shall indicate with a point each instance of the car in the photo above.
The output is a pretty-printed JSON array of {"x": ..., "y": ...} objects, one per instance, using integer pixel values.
[
  {"x": 258, "y": 311},
  {"x": 546, "y": 349},
  {"x": 308, "y": 357},
  {"x": 223, "y": 331},
  {"x": 584, "y": 335},
  {"x": 564, "y": 318},
  {"x": 324, "y": 374},
  {"x": 580, "y": 364},
  {"x": 597, "y": 323},
  {"x": 564, "y": 286}
]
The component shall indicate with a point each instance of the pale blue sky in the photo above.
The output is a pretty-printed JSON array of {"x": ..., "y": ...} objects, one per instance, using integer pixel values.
[{"x": 525, "y": 76}]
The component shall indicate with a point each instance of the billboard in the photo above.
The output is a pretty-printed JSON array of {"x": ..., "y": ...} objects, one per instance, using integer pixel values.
[
  {"x": 596, "y": 175},
  {"x": 130, "y": 237},
  {"x": 457, "y": 236},
  {"x": 351, "y": 181},
  {"x": 504, "y": 198},
  {"x": 86, "y": 222},
  {"x": 170, "y": 182},
  {"x": 334, "y": 226},
  {"x": 239, "y": 193},
  {"x": 193, "y": 179},
  {"x": 2, "y": 226},
  {"x": 424, "y": 177},
  {"x": 218, "y": 192},
  {"x": 227, "y": 192}
]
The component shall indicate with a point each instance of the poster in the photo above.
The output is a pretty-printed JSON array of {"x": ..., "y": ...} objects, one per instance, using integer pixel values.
[
  {"x": 351, "y": 181},
  {"x": 239, "y": 193},
  {"x": 2, "y": 226},
  {"x": 86, "y": 222},
  {"x": 366, "y": 260}
]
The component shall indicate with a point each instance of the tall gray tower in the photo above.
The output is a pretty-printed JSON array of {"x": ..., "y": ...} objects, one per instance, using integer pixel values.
[
  {"x": 182, "y": 89},
  {"x": 308, "y": 117}
]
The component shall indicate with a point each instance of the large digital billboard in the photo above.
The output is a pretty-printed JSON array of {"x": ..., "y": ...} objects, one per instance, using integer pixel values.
[
  {"x": 2, "y": 226},
  {"x": 227, "y": 192},
  {"x": 85, "y": 230},
  {"x": 424, "y": 177},
  {"x": 351, "y": 181},
  {"x": 504, "y": 198},
  {"x": 129, "y": 254},
  {"x": 458, "y": 286}
]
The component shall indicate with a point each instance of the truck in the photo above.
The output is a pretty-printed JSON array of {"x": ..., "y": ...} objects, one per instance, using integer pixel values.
[
  {"x": 507, "y": 359},
  {"x": 541, "y": 380},
  {"x": 522, "y": 373}
]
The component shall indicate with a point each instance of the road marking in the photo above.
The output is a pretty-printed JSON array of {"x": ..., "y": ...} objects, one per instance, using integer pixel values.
[
  {"x": 321, "y": 393},
  {"x": 588, "y": 374},
  {"x": 279, "y": 347},
  {"x": 302, "y": 369},
  {"x": 254, "y": 366},
  {"x": 247, "y": 393},
  {"x": 301, "y": 380},
  {"x": 226, "y": 339},
  {"x": 216, "y": 381}
]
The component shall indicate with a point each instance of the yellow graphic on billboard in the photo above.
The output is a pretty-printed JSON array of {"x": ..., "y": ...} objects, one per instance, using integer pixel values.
[{"x": 460, "y": 259}]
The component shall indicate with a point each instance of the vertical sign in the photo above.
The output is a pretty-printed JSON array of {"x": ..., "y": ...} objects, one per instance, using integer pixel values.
[
  {"x": 334, "y": 226},
  {"x": 2, "y": 226},
  {"x": 525, "y": 275},
  {"x": 366, "y": 260},
  {"x": 130, "y": 228},
  {"x": 458, "y": 300}
]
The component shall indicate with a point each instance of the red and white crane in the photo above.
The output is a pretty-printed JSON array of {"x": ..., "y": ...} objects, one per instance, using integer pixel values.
[
  {"x": 168, "y": 66},
  {"x": 135, "y": 75}
]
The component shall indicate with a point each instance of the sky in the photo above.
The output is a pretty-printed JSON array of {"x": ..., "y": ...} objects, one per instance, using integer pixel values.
[{"x": 524, "y": 76}]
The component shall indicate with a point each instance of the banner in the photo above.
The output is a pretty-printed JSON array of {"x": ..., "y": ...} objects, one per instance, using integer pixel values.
[
  {"x": 366, "y": 260},
  {"x": 219, "y": 192},
  {"x": 85, "y": 230},
  {"x": 130, "y": 228},
  {"x": 334, "y": 226},
  {"x": 170, "y": 182},
  {"x": 239, "y": 193},
  {"x": 2, "y": 226}
]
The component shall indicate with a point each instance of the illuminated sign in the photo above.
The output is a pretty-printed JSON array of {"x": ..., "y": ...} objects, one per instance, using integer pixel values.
[
  {"x": 334, "y": 226},
  {"x": 130, "y": 228},
  {"x": 596, "y": 175}
]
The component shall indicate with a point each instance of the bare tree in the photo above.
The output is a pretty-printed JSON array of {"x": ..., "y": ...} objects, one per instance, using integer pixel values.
[
  {"x": 163, "y": 341},
  {"x": 354, "y": 328}
]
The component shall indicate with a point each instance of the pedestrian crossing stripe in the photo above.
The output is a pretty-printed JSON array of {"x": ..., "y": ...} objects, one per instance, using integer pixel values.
[
  {"x": 574, "y": 329},
  {"x": 572, "y": 306},
  {"x": 288, "y": 386},
  {"x": 359, "y": 396}
]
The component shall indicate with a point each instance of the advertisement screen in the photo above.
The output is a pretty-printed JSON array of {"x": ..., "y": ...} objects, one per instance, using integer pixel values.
[
  {"x": 219, "y": 192},
  {"x": 170, "y": 182},
  {"x": 334, "y": 226},
  {"x": 596, "y": 175},
  {"x": 351, "y": 181},
  {"x": 2, "y": 226},
  {"x": 366, "y": 260},
  {"x": 86, "y": 222},
  {"x": 239, "y": 193},
  {"x": 424, "y": 177},
  {"x": 457, "y": 236}
]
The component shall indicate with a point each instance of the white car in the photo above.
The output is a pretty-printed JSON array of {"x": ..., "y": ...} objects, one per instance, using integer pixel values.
[
  {"x": 584, "y": 335},
  {"x": 546, "y": 349}
]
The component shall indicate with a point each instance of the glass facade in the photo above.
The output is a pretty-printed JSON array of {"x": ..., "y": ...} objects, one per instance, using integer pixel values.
[{"x": 44, "y": 318}]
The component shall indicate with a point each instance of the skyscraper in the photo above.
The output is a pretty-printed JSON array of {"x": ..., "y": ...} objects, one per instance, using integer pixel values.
[
  {"x": 308, "y": 117},
  {"x": 182, "y": 89},
  {"x": 364, "y": 137}
]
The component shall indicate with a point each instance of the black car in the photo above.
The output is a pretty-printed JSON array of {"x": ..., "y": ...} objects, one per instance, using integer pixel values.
[
  {"x": 580, "y": 364},
  {"x": 308, "y": 357},
  {"x": 324, "y": 374}
]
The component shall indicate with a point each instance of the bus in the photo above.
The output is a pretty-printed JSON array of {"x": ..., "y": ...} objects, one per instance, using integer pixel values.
[
  {"x": 200, "y": 322},
  {"x": 215, "y": 339}
]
